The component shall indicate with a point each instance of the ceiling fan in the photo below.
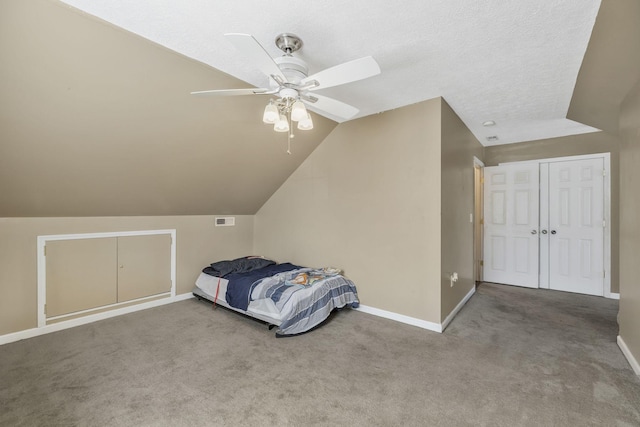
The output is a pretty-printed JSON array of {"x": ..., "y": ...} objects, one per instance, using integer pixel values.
[{"x": 291, "y": 85}]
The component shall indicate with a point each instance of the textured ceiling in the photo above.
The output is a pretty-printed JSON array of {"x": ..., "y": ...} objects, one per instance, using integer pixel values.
[{"x": 515, "y": 63}]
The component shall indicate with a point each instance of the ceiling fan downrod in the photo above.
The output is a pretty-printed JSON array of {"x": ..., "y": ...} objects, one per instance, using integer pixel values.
[{"x": 288, "y": 43}]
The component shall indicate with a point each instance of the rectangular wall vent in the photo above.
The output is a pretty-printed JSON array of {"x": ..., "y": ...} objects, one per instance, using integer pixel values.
[{"x": 225, "y": 221}]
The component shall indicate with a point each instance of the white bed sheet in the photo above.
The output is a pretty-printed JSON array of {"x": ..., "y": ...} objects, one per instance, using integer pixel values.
[
  {"x": 209, "y": 284},
  {"x": 263, "y": 309}
]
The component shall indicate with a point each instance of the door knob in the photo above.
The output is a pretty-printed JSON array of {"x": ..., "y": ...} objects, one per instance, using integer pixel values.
[
  {"x": 544, "y": 231},
  {"x": 534, "y": 231},
  {"x": 553, "y": 231}
]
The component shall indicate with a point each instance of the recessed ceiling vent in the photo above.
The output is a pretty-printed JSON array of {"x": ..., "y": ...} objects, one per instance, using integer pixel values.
[
  {"x": 226, "y": 221},
  {"x": 492, "y": 138}
]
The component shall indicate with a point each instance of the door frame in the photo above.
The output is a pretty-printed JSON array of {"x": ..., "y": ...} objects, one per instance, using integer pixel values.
[
  {"x": 607, "y": 208},
  {"x": 42, "y": 267},
  {"x": 478, "y": 219}
]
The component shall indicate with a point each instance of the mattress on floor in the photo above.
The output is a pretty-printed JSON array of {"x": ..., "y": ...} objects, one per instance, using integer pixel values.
[{"x": 263, "y": 309}]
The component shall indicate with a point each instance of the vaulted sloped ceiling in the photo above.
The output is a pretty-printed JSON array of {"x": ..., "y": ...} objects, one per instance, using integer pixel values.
[{"x": 96, "y": 121}]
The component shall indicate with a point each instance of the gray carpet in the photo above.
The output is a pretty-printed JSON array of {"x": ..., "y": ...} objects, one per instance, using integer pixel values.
[{"x": 512, "y": 357}]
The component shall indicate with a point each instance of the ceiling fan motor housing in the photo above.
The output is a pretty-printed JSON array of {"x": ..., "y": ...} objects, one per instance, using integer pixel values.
[
  {"x": 294, "y": 69},
  {"x": 288, "y": 94}
]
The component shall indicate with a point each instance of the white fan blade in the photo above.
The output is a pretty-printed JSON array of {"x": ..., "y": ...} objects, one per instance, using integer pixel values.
[
  {"x": 230, "y": 92},
  {"x": 249, "y": 46},
  {"x": 347, "y": 72},
  {"x": 333, "y": 106}
]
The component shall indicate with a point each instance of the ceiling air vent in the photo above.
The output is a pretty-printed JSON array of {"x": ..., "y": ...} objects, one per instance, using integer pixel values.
[
  {"x": 225, "y": 221},
  {"x": 492, "y": 138}
]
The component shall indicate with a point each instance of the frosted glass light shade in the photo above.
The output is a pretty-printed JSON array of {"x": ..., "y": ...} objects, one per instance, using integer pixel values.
[
  {"x": 271, "y": 114},
  {"x": 306, "y": 123},
  {"x": 298, "y": 111},
  {"x": 281, "y": 125}
]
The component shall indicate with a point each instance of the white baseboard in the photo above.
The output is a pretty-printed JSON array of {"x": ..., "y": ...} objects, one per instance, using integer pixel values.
[
  {"x": 612, "y": 295},
  {"x": 627, "y": 353},
  {"x": 34, "y": 332},
  {"x": 436, "y": 327},
  {"x": 458, "y": 308},
  {"x": 424, "y": 324}
]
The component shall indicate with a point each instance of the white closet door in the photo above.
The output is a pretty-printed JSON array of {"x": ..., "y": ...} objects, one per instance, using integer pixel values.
[
  {"x": 511, "y": 224},
  {"x": 576, "y": 226}
]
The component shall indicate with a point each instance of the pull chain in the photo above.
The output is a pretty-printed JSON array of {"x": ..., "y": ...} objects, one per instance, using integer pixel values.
[{"x": 289, "y": 134}]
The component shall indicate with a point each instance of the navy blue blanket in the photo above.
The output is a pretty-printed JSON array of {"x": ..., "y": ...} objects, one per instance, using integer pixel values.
[
  {"x": 238, "y": 265},
  {"x": 241, "y": 284}
]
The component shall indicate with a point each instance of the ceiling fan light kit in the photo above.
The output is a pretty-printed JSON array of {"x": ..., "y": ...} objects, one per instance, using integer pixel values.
[
  {"x": 282, "y": 125},
  {"x": 306, "y": 123},
  {"x": 298, "y": 111},
  {"x": 290, "y": 83},
  {"x": 271, "y": 113}
]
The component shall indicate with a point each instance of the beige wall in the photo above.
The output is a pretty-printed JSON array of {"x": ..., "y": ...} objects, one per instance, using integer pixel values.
[
  {"x": 367, "y": 200},
  {"x": 590, "y": 143},
  {"x": 97, "y": 121},
  {"x": 459, "y": 146},
  {"x": 629, "y": 318},
  {"x": 610, "y": 66},
  {"x": 199, "y": 243}
]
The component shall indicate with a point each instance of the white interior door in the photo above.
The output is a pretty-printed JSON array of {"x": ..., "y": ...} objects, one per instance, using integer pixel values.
[
  {"x": 576, "y": 226},
  {"x": 511, "y": 224}
]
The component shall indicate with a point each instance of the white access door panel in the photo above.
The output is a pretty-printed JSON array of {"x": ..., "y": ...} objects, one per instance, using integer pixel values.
[
  {"x": 576, "y": 226},
  {"x": 511, "y": 224}
]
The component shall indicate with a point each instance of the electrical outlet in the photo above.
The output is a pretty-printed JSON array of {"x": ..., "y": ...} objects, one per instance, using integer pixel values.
[{"x": 453, "y": 277}]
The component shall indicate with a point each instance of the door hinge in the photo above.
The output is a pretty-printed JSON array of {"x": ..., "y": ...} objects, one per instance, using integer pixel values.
[
  {"x": 604, "y": 172},
  {"x": 604, "y": 223},
  {"x": 481, "y": 263},
  {"x": 604, "y": 274},
  {"x": 45, "y": 309},
  {"x": 482, "y": 180},
  {"x": 481, "y": 221}
]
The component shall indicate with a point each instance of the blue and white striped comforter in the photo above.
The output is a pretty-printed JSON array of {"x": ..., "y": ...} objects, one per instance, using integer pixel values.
[{"x": 303, "y": 307}]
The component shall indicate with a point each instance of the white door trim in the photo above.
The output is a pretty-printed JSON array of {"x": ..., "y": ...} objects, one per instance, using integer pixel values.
[
  {"x": 42, "y": 261},
  {"x": 478, "y": 219},
  {"x": 607, "y": 207}
]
